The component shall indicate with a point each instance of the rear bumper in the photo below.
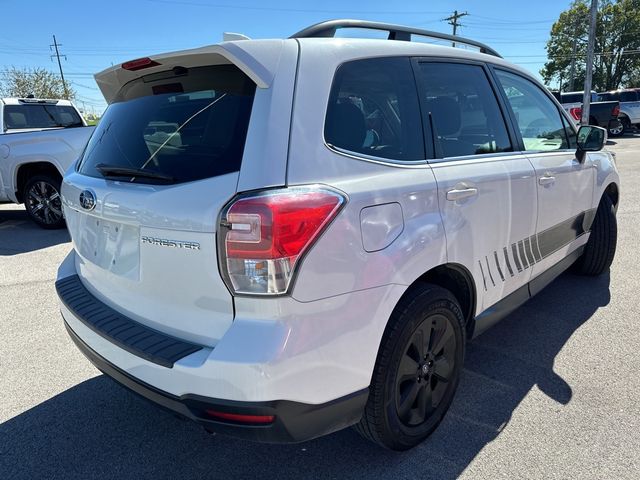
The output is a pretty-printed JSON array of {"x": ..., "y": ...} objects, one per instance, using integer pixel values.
[{"x": 293, "y": 421}]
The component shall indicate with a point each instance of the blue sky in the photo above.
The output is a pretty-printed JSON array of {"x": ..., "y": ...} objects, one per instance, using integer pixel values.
[{"x": 95, "y": 35}]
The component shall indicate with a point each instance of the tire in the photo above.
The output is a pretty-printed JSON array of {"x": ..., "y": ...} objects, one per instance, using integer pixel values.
[
  {"x": 626, "y": 124},
  {"x": 601, "y": 247},
  {"x": 395, "y": 415},
  {"x": 42, "y": 201},
  {"x": 616, "y": 131}
]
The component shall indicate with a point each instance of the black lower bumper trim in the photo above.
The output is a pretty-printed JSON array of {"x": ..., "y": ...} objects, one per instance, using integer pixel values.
[
  {"x": 294, "y": 422},
  {"x": 126, "y": 333}
]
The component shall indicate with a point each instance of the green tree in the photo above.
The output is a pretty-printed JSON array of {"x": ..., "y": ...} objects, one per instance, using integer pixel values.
[
  {"x": 617, "y": 45},
  {"x": 39, "y": 82},
  {"x": 634, "y": 81}
]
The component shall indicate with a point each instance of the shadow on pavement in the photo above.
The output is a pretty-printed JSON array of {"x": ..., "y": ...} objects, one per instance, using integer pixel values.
[
  {"x": 98, "y": 430},
  {"x": 18, "y": 234}
]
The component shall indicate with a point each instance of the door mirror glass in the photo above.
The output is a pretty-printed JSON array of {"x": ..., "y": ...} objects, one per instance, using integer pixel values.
[{"x": 591, "y": 139}]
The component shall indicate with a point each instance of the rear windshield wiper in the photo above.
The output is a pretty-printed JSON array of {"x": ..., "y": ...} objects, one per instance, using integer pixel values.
[{"x": 116, "y": 171}]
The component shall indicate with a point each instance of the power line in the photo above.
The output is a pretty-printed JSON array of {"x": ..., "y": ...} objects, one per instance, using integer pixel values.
[
  {"x": 295, "y": 10},
  {"x": 57, "y": 55}
]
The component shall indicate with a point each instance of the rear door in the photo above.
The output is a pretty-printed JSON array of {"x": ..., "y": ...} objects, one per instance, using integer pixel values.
[
  {"x": 486, "y": 190},
  {"x": 564, "y": 184},
  {"x": 143, "y": 205}
]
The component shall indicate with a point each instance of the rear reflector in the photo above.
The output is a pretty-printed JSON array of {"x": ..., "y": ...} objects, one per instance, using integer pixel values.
[
  {"x": 238, "y": 418},
  {"x": 264, "y": 235},
  {"x": 139, "y": 64}
]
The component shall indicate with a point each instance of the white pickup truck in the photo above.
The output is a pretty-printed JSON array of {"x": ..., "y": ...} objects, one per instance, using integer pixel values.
[{"x": 39, "y": 140}]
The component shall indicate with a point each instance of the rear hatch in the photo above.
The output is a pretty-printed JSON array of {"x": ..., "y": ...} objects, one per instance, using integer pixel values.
[{"x": 142, "y": 206}]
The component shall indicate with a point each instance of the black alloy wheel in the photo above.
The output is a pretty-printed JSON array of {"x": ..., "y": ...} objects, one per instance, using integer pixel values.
[
  {"x": 417, "y": 369},
  {"x": 43, "y": 202},
  {"x": 425, "y": 370}
]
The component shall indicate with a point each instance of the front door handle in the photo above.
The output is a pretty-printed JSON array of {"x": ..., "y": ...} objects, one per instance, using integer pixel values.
[
  {"x": 547, "y": 180},
  {"x": 461, "y": 193}
]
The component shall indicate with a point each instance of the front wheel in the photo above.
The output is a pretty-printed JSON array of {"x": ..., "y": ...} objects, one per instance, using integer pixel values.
[
  {"x": 601, "y": 247},
  {"x": 417, "y": 370},
  {"x": 42, "y": 201}
]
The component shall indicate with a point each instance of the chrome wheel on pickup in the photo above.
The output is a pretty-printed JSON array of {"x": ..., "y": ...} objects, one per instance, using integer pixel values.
[
  {"x": 617, "y": 130},
  {"x": 43, "y": 202}
]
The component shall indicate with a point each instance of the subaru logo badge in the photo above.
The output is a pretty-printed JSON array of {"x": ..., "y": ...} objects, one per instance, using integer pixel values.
[{"x": 87, "y": 200}]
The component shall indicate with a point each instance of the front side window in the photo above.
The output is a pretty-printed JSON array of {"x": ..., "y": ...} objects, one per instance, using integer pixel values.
[
  {"x": 570, "y": 132},
  {"x": 373, "y": 109},
  {"x": 462, "y": 110},
  {"x": 538, "y": 119}
]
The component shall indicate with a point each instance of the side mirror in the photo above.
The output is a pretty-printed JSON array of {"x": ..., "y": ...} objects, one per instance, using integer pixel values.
[{"x": 590, "y": 139}]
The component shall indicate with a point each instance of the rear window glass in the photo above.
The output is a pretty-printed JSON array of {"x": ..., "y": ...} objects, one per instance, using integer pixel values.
[
  {"x": 576, "y": 97},
  {"x": 40, "y": 116},
  {"x": 373, "y": 109},
  {"x": 175, "y": 126}
]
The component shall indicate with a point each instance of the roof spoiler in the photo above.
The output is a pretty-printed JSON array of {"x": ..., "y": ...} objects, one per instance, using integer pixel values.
[
  {"x": 258, "y": 62},
  {"x": 329, "y": 28}
]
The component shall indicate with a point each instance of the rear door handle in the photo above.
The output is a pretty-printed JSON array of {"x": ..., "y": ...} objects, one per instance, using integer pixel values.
[
  {"x": 547, "y": 180},
  {"x": 461, "y": 193}
]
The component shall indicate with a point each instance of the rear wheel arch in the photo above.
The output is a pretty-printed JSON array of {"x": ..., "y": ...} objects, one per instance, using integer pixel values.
[
  {"x": 624, "y": 119},
  {"x": 456, "y": 279},
  {"x": 29, "y": 170}
]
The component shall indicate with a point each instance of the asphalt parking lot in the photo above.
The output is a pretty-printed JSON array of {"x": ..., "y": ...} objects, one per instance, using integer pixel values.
[{"x": 551, "y": 392}]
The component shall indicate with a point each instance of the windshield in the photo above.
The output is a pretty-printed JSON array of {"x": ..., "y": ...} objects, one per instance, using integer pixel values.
[
  {"x": 183, "y": 124},
  {"x": 40, "y": 116}
]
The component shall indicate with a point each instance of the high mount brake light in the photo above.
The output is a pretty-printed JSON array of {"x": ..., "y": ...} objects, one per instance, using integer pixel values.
[
  {"x": 263, "y": 236},
  {"x": 576, "y": 112},
  {"x": 139, "y": 64}
]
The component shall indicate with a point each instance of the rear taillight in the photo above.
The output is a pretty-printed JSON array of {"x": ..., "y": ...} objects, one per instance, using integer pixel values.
[
  {"x": 576, "y": 112},
  {"x": 616, "y": 111},
  {"x": 263, "y": 236}
]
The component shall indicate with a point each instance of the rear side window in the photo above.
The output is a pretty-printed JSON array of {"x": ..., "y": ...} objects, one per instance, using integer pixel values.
[
  {"x": 629, "y": 96},
  {"x": 373, "y": 109},
  {"x": 538, "y": 118},
  {"x": 462, "y": 110},
  {"x": 181, "y": 125},
  {"x": 40, "y": 116}
]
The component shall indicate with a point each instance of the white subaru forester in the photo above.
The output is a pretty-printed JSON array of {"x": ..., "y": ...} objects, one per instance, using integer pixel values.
[{"x": 281, "y": 238}]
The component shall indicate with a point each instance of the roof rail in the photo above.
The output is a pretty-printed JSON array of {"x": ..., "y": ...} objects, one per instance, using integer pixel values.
[{"x": 329, "y": 28}]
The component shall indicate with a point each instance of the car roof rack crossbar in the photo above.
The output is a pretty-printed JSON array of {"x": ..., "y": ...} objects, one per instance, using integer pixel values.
[{"x": 396, "y": 32}]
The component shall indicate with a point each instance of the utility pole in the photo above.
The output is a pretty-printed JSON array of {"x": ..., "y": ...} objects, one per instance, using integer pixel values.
[
  {"x": 572, "y": 69},
  {"x": 453, "y": 21},
  {"x": 57, "y": 55},
  {"x": 586, "y": 99}
]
